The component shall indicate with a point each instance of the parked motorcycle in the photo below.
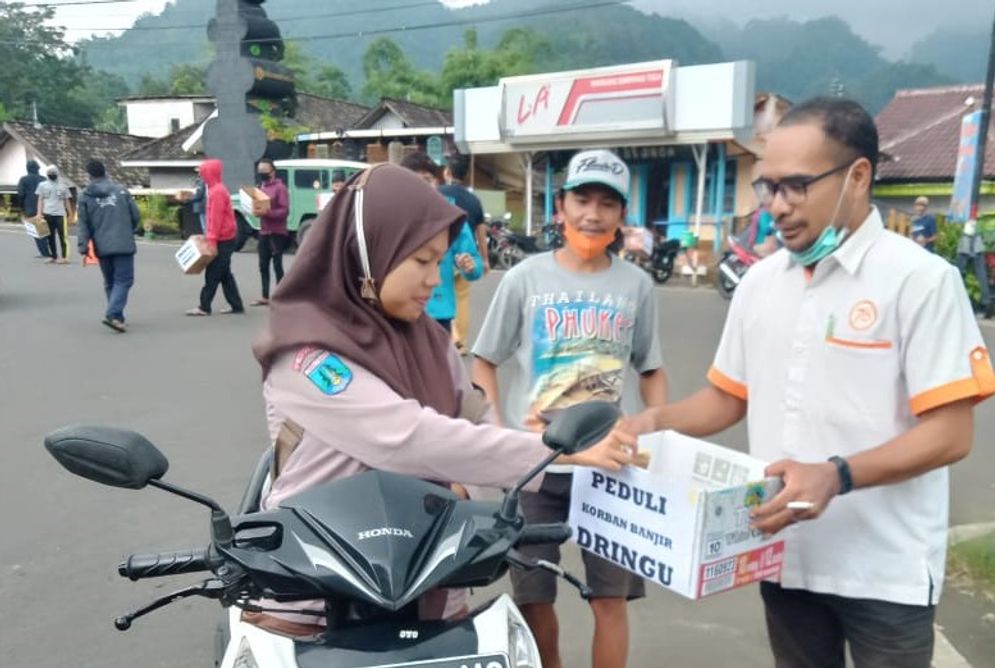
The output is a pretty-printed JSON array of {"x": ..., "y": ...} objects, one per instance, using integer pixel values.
[
  {"x": 733, "y": 265},
  {"x": 368, "y": 546},
  {"x": 659, "y": 261},
  {"x": 506, "y": 248}
]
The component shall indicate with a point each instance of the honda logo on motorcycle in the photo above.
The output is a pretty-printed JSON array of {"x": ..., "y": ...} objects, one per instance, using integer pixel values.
[{"x": 384, "y": 531}]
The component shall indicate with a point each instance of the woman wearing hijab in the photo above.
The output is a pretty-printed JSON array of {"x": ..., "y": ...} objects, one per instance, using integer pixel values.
[{"x": 356, "y": 377}]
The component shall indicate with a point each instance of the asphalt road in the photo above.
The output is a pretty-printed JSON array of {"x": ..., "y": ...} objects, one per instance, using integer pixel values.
[{"x": 191, "y": 386}]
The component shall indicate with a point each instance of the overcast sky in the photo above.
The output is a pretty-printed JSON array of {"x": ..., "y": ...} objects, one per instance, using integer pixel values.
[{"x": 893, "y": 24}]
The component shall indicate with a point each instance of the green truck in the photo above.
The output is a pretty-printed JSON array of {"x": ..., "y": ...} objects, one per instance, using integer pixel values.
[{"x": 309, "y": 181}]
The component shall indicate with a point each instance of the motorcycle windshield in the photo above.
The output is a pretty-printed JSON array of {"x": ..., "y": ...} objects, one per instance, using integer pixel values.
[{"x": 379, "y": 536}]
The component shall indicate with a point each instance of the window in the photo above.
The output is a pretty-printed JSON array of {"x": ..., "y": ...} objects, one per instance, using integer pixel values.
[
  {"x": 729, "y": 194},
  {"x": 316, "y": 179},
  {"x": 174, "y": 125}
]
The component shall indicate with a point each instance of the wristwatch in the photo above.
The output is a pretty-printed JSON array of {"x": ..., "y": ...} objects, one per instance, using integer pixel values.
[{"x": 843, "y": 469}]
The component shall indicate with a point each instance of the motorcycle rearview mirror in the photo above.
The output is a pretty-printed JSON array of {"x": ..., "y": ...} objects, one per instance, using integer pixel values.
[
  {"x": 579, "y": 427},
  {"x": 572, "y": 430},
  {"x": 107, "y": 455},
  {"x": 123, "y": 458}
]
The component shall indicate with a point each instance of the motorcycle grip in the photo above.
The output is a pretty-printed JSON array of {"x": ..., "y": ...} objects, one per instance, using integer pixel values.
[
  {"x": 544, "y": 534},
  {"x": 140, "y": 566}
]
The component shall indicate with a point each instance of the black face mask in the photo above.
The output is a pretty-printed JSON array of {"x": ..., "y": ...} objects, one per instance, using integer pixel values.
[
  {"x": 53, "y": 177},
  {"x": 263, "y": 178}
]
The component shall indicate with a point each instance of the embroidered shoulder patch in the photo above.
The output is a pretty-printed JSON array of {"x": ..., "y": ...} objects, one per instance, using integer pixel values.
[{"x": 329, "y": 374}]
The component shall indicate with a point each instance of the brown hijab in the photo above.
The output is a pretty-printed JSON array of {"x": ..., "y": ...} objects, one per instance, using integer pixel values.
[{"x": 320, "y": 301}]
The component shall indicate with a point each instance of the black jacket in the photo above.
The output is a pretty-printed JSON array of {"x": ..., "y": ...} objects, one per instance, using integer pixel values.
[
  {"x": 27, "y": 190},
  {"x": 107, "y": 215}
]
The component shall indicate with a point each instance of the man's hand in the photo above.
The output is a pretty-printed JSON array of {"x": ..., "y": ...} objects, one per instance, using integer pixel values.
[
  {"x": 640, "y": 423},
  {"x": 814, "y": 483},
  {"x": 612, "y": 453},
  {"x": 465, "y": 263}
]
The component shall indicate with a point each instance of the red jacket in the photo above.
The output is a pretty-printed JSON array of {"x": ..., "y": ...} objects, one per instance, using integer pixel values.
[{"x": 220, "y": 216}]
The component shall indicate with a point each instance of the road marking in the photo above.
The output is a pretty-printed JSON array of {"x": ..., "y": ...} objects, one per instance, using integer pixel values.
[{"x": 945, "y": 655}]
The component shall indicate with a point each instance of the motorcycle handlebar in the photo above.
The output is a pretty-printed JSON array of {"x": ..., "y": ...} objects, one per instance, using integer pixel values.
[
  {"x": 543, "y": 534},
  {"x": 140, "y": 566}
]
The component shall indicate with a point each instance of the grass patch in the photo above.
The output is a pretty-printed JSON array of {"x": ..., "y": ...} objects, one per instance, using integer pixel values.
[{"x": 975, "y": 559}]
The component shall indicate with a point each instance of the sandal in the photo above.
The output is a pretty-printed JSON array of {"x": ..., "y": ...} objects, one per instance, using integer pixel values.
[{"x": 197, "y": 311}]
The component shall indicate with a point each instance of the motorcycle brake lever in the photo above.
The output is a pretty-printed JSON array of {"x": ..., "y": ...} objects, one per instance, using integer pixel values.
[
  {"x": 516, "y": 558},
  {"x": 208, "y": 589}
]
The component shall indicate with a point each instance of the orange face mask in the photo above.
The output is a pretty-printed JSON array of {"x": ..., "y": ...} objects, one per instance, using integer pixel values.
[{"x": 587, "y": 247}]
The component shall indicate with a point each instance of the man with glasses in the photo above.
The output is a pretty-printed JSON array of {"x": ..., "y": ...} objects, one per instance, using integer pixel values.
[{"x": 856, "y": 359}]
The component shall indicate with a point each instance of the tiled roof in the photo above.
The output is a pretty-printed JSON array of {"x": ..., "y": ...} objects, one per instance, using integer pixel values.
[
  {"x": 920, "y": 132},
  {"x": 317, "y": 113},
  {"x": 411, "y": 114},
  {"x": 70, "y": 149},
  {"x": 320, "y": 113},
  {"x": 169, "y": 147}
]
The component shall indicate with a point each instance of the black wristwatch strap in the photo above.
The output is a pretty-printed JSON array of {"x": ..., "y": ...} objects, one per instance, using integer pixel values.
[{"x": 843, "y": 469}]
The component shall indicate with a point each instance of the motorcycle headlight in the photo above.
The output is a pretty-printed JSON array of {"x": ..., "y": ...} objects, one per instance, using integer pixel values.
[
  {"x": 244, "y": 658},
  {"x": 521, "y": 646}
]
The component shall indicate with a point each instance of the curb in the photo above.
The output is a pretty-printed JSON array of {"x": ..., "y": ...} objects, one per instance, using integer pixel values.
[{"x": 965, "y": 532}]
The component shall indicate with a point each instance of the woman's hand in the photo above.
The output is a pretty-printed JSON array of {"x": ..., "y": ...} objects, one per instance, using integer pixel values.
[
  {"x": 611, "y": 453},
  {"x": 465, "y": 263}
]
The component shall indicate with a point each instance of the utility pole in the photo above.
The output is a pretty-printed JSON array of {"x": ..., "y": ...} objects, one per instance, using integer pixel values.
[{"x": 986, "y": 110}]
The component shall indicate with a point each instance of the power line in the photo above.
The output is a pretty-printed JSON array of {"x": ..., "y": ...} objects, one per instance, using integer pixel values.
[
  {"x": 278, "y": 20},
  {"x": 385, "y": 31},
  {"x": 71, "y": 3}
]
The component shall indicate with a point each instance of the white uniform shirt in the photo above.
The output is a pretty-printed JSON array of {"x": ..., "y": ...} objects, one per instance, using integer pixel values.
[{"x": 841, "y": 361}]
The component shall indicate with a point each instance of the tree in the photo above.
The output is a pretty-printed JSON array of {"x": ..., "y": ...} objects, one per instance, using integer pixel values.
[
  {"x": 468, "y": 67},
  {"x": 98, "y": 98},
  {"x": 183, "y": 79},
  {"x": 41, "y": 68},
  {"x": 333, "y": 83},
  {"x": 390, "y": 74},
  {"x": 316, "y": 78},
  {"x": 188, "y": 79}
]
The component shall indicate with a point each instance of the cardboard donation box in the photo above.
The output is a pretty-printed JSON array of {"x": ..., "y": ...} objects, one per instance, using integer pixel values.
[
  {"x": 684, "y": 522},
  {"x": 195, "y": 254},
  {"x": 36, "y": 227},
  {"x": 253, "y": 201}
]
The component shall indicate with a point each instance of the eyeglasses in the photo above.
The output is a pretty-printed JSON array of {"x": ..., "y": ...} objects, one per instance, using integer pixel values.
[{"x": 793, "y": 189}]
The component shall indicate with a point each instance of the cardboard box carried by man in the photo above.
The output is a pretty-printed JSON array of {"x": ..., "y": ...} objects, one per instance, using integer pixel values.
[
  {"x": 684, "y": 522},
  {"x": 195, "y": 254}
]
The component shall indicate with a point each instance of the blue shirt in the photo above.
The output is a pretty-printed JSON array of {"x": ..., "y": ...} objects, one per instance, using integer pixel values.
[
  {"x": 442, "y": 303},
  {"x": 924, "y": 227}
]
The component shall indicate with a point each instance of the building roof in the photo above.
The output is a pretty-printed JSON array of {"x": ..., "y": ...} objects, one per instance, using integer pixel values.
[
  {"x": 312, "y": 111},
  {"x": 70, "y": 148},
  {"x": 321, "y": 113},
  {"x": 205, "y": 97},
  {"x": 412, "y": 115},
  {"x": 920, "y": 132},
  {"x": 169, "y": 147}
]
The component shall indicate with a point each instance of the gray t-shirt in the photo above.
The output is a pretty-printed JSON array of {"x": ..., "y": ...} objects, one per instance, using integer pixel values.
[
  {"x": 570, "y": 337},
  {"x": 53, "y": 197}
]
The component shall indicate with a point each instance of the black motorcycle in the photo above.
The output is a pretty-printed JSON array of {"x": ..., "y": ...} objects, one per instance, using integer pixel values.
[
  {"x": 369, "y": 546},
  {"x": 660, "y": 263}
]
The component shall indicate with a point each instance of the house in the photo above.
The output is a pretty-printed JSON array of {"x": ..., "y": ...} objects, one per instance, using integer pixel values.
[
  {"x": 404, "y": 125},
  {"x": 919, "y": 134},
  {"x": 170, "y": 159},
  {"x": 161, "y": 115},
  {"x": 69, "y": 149}
]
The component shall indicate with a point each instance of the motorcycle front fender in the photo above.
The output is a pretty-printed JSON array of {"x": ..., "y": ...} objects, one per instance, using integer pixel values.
[{"x": 485, "y": 633}]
